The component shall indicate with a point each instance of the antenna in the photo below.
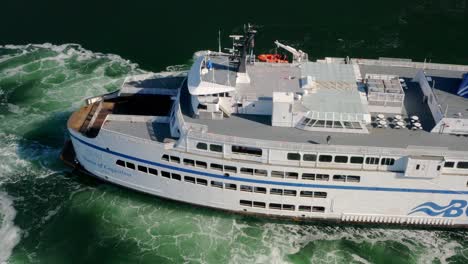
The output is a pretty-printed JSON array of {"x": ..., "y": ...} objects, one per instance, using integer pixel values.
[{"x": 219, "y": 40}]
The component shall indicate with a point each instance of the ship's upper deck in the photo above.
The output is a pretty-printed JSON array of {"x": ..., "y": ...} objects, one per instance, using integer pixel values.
[
  {"x": 268, "y": 78},
  {"x": 258, "y": 128}
]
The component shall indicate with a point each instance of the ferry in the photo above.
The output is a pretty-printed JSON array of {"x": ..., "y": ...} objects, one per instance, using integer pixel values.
[{"x": 346, "y": 140}]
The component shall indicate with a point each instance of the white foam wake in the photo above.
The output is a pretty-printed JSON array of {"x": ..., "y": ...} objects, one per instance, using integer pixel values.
[{"x": 9, "y": 233}]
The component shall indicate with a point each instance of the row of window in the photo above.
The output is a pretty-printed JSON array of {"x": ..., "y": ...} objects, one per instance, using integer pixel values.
[
  {"x": 221, "y": 185},
  {"x": 285, "y": 207},
  {"x": 346, "y": 178},
  {"x": 260, "y": 172},
  {"x": 321, "y": 158},
  {"x": 460, "y": 164},
  {"x": 297, "y": 156},
  {"x": 234, "y": 149},
  {"x": 255, "y": 189},
  {"x": 132, "y": 166},
  {"x": 286, "y": 192},
  {"x": 341, "y": 159},
  {"x": 213, "y": 147}
]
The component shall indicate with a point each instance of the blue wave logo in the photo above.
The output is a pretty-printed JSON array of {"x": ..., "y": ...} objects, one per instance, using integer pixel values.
[{"x": 454, "y": 209}]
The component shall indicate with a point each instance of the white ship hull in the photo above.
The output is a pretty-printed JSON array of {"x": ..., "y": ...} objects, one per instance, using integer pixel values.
[{"x": 379, "y": 196}]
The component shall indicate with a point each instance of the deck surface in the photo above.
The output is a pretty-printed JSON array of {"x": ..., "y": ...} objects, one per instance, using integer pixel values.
[{"x": 259, "y": 127}]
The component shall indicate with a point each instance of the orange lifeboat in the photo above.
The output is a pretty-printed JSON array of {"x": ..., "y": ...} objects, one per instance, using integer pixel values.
[{"x": 272, "y": 58}]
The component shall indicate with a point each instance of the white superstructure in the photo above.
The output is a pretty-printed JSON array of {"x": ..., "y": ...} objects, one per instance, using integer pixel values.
[{"x": 306, "y": 140}]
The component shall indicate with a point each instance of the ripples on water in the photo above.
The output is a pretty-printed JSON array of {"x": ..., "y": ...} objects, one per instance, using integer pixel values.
[{"x": 54, "y": 216}]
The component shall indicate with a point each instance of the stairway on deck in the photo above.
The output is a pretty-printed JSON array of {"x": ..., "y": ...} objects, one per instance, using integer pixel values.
[{"x": 95, "y": 125}]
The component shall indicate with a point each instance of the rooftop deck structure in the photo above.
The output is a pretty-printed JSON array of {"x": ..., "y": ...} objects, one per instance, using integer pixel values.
[{"x": 259, "y": 127}]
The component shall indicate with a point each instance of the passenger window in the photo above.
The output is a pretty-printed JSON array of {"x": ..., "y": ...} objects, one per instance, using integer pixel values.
[
  {"x": 248, "y": 171},
  {"x": 372, "y": 160},
  {"x": 325, "y": 158},
  {"x": 142, "y": 169},
  {"x": 189, "y": 162},
  {"x": 305, "y": 208},
  {"x": 341, "y": 159},
  {"x": 322, "y": 177},
  {"x": 462, "y": 165},
  {"x": 245, "y": 188},
  {"x": 277, "y": 174},
  {"x": 309, "y": 157},
  {"x": 246, "y": 150},
  {"x": 387, "y": 161},
  {"x": 357, "y": 160},
  {"x": 275, "y": 206},
  {"x": 341, "y": 178},
  {"x": 246, "y": 203},
  {"x": 449, "y": 164},
  {"x": 318, "y": 209},
  {"x": 259, "y": 204},
  {"x": 217, "y": 184},
  {"x": 202, "y": 181},
  {"x": 230, "y": 169},
  {"x": 320, "y": 195},
  {"x": 201, "y": 164},
  {"x": 290, "y": 192},
  {"x": 130, "y": 165},
  {"x": 292, "y": 175},
  {"x": 165, "y": 174},
  {"x": 175, "y": 159},
  {"x": 260, "y": 189},
  {"x": 176, "y": 176},
  {"x": 153, "y": 171},
  {"x": 294, "y": 156},
  {"x": 187, "y": 179},
  {"x": 120, "y": 163},
  {"x": 308, "y": 176},
  {"x": 216, "y": 148},
  {"x": 218, "y": 167},
  {"x": 275, "y": 191},
  {"x": 202, "y": 146},
  {"x": 165, "y": 157},
  {"x": 230, "y": 186},
  {"x": 261, "y": 172}
]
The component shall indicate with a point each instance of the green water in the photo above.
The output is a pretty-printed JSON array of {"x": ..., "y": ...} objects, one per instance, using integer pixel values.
[{"x": 50, "y": 215}]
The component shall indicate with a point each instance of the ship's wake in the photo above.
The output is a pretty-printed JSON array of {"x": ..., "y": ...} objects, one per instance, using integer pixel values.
[
  {"x": 39, "y": 86},
  {"x": 9, "y": 233}
]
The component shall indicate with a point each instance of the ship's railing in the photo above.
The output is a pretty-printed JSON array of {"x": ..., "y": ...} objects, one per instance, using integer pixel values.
[
  {"x": 137, "y": 118},
  {"x": 133, "y": 138},
  {"x": 412, "y": 64}
]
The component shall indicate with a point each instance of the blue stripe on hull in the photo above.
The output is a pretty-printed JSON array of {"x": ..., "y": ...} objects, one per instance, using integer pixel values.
[{"x": 289, "y": 184}]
